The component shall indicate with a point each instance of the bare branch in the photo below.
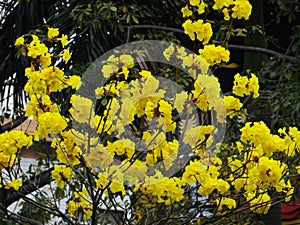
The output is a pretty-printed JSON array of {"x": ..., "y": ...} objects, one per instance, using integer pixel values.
[
  {"x": 13, "y": 124},
  {"x": 7, "y": 197}
]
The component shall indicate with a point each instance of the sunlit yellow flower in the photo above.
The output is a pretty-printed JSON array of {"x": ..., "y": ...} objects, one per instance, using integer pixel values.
[
  {"x": 15, "y": 184},
  {"x": 66, "y": 55},
  {"x": 189, "y": 29},
  {"x": 219, "y": 4},
  {"x": 186, "y": 12},
  {"x": 64, "y": 40},
  {"x": 52, "y": 32},
  {"x": 19, "y": 41},
  {"x": 214, "y": 54},
  {"x": 241, "y": 9}
]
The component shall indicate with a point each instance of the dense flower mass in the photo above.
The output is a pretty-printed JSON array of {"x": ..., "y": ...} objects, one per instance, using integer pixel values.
[{"x": 138, "y": 140}]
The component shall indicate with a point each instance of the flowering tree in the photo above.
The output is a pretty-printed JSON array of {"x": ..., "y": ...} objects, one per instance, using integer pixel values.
[{"x": 143, "y": 148}]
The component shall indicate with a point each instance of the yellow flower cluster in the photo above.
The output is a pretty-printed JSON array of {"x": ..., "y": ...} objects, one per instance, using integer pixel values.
[
  {"x": 234, "y": 8},
  {"x": 80, "y": 202},
  {"x": 262, "y": 171},
  {"x": 116, "y": 182},
  {"x": 199, "y": 29},
  {"x": 34, "y": 106},
  {"x": 214, "y": 54},
  {"x": 11, "y": 144},
  {"x": 202, "y": 30},
  {"x": 166, "y": 190},
  {"x": 62, "y": 174},
  {"x": 37, "y": 48},
  {"x": 51, "y": 122},
  {"x": 244, "y": 86},
  {"x": 111, "y": 89},
  {"x": 198, "y": 5},
  {"x": 260, "y": 202},
  {"x": 233, "y": 106},
  {"x": 253, "y": 167},
  {"x": 114, "y": 64},
  {"x": 166, "y": 150},
  {"x": 44, "y": 79},
  {"x": 225, "y": 203},
  {"x": 196, "y": 136},
  {"x": 67, "y": 152},
  {"x": 192, "y": 62},
  {"x": 207, "y": 176},
  {"x": 82, "y": 110}
]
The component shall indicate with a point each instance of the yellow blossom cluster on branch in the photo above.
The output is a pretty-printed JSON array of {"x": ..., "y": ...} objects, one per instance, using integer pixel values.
[
  {"x": 132, "y": 141},
  {"x": 45, "y": 78}
]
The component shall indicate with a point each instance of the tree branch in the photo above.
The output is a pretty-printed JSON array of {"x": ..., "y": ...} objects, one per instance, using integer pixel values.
[
  {"x": 230, "y": 46},
  {"x": 262, "y": 50},
  {"x": 13, "y": 124},
  {"x": 7, "y": 197}
]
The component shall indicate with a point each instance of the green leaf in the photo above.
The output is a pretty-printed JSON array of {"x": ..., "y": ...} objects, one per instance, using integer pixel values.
[
  {"x": 114, "y": 9},
  {"x": 128, "y": 19},
  {"x": 135, "y": 19}
]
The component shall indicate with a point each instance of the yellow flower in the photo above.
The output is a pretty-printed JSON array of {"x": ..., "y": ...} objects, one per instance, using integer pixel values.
[
  {"x": 127, "y": 60},
  {"x": 45, "y": 60},
  {"x": 81, "y": 201},
  {"x": 189, "y": 29},
  {"x": 243, "y": 86},
  {"x": 64, "y": 40},
  {"x": 180, "y": 100},
  {"x": 125, "y": 72},
  {"x": 36, "y": 48},
  {"x": 240, "y": 85},
  {"x": 109, "y": 69},
  {"x": 52, "y": 32},
  {"x": 66, "y": 55},
  {"x": 226, "y": 203},
  {"x": 253, "y": 85},
  {"x": 19, "y": 41},
  {"x": 61, "y": 174},
  {"x": 186, "y": 12},
  {"x": 51, "y": 122},
  {"x": 259, "y": 203},
  {"x": 145, "y": 73},
  {"x": 201, "y": 8},
  {"x": 233, "y": 106},
  {"x": 226, "y": 14},
  {"x": 214, "y": 55},
  {"x": 197, "y": 135},
  {"x": 15, "y": 184},
  {"x": 194, "y": 2},
  {"x": 74, "y": 81},
  {"x": 82, "y": 110},
  {"x": 241, "y": 9},
  {"x": 168, "y": 52},
  {"x": 99, "y": 156},
  {"x": 203, "y": 31},
  {"x": 219, "y": 4}
]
